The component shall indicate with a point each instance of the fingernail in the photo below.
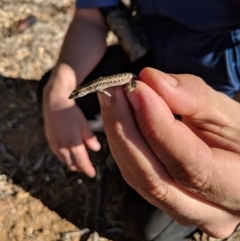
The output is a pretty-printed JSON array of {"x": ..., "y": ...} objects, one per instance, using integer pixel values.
[
  {"x": 105, "y": 100},
  {"x": 134, "y": 99},
  {"x": 172, "y": 81}
]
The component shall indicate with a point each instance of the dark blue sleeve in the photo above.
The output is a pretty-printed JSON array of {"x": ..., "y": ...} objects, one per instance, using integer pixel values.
[{"x": 96, "y": 3}]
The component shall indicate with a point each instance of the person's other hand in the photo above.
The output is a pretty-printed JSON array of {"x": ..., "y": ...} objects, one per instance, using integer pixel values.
[
  {"x": 66, "y": 128},
  {"x": 189, "y": 168}
]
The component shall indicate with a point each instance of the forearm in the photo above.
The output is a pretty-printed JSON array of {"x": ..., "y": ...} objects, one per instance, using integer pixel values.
[{"x": 83, "y": 47}]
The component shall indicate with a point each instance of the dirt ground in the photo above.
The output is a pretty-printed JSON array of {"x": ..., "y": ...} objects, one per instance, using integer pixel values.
[{"x": 40, "y": 200}]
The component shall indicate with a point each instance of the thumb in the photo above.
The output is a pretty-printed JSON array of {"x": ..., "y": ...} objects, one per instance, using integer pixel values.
[{"x": 185, "y": 94}]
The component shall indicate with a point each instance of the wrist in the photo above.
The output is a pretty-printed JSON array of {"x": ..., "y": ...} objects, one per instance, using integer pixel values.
[
  {"x": 63, "y": 75},
  {"x": 57, "y": 91},
  {"x": 56, "y": 98},
  {"x": 59, "y": 88},
  {"x": 62, "y": 82}
]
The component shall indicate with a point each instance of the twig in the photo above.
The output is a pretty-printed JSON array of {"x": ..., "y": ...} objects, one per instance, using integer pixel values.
[
  {"x": 95, "y": 236},
  {"x": 69, "y": 235},
  {"x": 86, "y": 204},
  {"x": 7, "y": 155},
  {"x": 39, "y": 162}
]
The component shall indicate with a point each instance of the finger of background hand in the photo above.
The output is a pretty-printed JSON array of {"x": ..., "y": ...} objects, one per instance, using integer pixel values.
[
  {"x": 88, "y": 136},
  {"x": 80, "y": 158},
  {"x": 92, "y": 142},
  {"x": 63, "y": 156},
  {"x": 77, "y": 159},
  {"x": 145, "y": 173},
  {"x": 192, "y": 164}
]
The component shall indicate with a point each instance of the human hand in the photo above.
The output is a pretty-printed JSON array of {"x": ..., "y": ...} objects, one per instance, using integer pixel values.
[
  {"x": 66, "y": 128},
  {"x": 189, "y": 168}
]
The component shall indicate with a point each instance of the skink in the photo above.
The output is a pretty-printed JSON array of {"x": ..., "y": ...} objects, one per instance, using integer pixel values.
[{"x": 102, "y": 83}]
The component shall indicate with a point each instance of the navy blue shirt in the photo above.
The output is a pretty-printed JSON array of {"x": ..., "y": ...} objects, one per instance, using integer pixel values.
[{"x": 192, "y": 36}]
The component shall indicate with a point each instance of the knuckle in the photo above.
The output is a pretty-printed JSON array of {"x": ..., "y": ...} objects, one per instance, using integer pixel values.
[
  {"x": 160, "y": 192},
  {"x": 113, "y": 131},
  {"x": 149, "y": 134},
  {"x": 155, "y": 189},
  {"x": 196, "y": 178},
  {"x": 116, "y": 133},
  {"x": 154, "y": 138}
]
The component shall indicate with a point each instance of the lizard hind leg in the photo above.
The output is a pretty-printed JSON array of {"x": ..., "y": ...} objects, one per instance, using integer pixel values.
[{"x": 104, "y": 92}]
